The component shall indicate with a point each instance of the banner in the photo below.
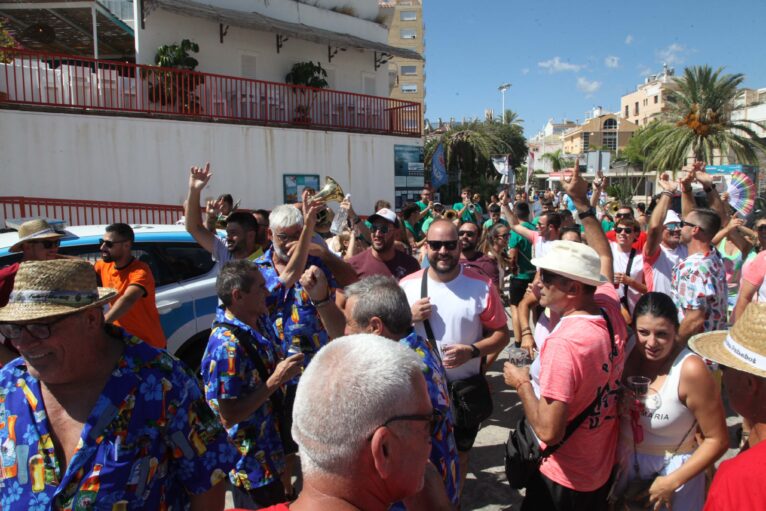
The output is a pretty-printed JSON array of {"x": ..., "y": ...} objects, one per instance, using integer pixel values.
[{"x": 438, "y": 168}]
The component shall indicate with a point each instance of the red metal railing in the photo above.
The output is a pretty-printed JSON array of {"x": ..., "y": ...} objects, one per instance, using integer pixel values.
[
  {"x": 88, "y": 212},
  {"x": 83, "y": 83}
]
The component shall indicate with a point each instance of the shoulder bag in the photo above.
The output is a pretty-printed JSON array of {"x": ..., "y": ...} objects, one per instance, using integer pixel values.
[
  {"x": 523, "y": 455},
  {"x": 471, "y": 397}
]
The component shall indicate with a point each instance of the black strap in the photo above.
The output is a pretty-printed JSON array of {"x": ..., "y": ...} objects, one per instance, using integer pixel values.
[
  {"x": 246, "y": 341},
  {"x": 572, "y": 426},
  {"x": 624, "y": 298},
  {"x": 426, "y": 323}
]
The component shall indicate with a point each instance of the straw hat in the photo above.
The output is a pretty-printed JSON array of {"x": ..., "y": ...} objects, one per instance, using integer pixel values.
[
  {"x": 742, "y": 348},
  {"x": 576, "y": 261},
  {"x": 37, "y": 229},
  {"x": 44, "y": 289}
]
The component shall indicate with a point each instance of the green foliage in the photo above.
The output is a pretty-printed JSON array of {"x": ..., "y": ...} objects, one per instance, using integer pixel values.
[
  {"x": 6, "y": 41},
  {"x": 698, "y": 122},
  {"x": 308, "y": 74},
  {"x": 557, "y": 159},
  {"x": 177, "y": 55},
  {"x": 468, "y": 149},
  {"x": 620, "y": 191}
]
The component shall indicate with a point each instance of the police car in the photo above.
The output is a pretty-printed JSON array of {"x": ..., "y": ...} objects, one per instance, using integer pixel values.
[{"x": 184, "y": 274}]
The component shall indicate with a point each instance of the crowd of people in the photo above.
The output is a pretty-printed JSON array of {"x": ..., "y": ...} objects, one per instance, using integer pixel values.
[{"x": 345, "y": 368}]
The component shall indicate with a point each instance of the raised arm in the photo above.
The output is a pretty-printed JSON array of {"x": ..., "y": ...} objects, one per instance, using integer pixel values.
[
  {"x": 687, "y": 196},
  {"x": 299, "y": 250},
  {"x": 657, "y": 220},
  {"x": 577, "y": 189},
  {"x": 198, "y": 179},
  {"x": 713, "y": 199}
]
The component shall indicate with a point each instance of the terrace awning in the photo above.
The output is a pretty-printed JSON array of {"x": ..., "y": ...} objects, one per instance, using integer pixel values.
[
  {"x": 257, "y": 21},
  {"x": 82, "y": 28}
]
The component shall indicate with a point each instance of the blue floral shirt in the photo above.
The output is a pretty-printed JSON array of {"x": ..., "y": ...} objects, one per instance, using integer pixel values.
[
  {"x": 295, "y": 318},
  {"x": 228, "y": 372},
  {"x": 443, "y": 447},
  {"x": 149, "y": 440}
]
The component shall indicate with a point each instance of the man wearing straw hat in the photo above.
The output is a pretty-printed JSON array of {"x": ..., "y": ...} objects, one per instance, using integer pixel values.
[
  {"x": 38, "y": 241},
  {"x": 741, "y": 353},
  {"x": 89, "y": 419}
]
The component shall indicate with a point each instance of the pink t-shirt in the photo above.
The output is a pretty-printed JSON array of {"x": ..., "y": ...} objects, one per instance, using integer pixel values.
[
  {"x": 576, "y": 365},
  {"x": 753, "y": 272}
]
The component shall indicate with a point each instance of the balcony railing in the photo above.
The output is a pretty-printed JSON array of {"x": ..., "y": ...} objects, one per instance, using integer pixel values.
[{"x": 85, "y": 84}]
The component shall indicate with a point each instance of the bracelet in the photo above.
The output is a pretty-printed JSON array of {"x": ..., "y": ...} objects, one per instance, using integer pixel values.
[
  {"x": 321, "y": 303},
  {"x": 666, "y": 192},
  {"x": 517, "y": 387},
  {"x": 526, "y": 329},
  {"x": 527, "y": 333}
]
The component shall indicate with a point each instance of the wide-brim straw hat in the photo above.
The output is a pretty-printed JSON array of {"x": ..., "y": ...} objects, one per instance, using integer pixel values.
[
  {"x": 46, "y": 289},
  {"x": 37, "y": 229},
  {"x": 576, "y": 261},
  {"x": 742, "y": 348}
]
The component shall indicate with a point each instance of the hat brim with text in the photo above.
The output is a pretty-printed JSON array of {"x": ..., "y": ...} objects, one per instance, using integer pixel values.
[
  {"x": 575, "y": 261},
  {"x": 742, "y": 348}
]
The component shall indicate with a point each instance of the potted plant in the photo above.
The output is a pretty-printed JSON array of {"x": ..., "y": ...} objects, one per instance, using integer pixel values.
[
  {"x": 306, "y": 74},
  {"x": 7, "y": 42},
  {"x": 167, "y": 89}
]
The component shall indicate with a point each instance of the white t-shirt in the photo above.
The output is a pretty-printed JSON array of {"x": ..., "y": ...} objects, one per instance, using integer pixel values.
[
  {"x": 460, "y": 311},
  {"x": 620, "y": 265},
  {"x": 658, "y": 268},
  {"x": 540, "y": 245}
]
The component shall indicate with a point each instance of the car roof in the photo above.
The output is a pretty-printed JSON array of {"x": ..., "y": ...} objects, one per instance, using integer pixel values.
[{"x": 86, "y": 234}]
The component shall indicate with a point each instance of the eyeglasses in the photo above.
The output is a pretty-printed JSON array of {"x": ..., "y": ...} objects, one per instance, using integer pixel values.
[
  {"x": 437, "y": 245},
  {"x": 108, "y": 243},
  {"x": 549, "y": 278},
  {"x": 435, "y": 420},
  {"x": 36, "y": 330},
  {"x": 46, "y": 243},
  {"x": 470, "y": 234},
  {"x": 684, "y": 223},
  {"x": 675, "y": 226},
  {"x": 626, "y": 230},
  {"x": 383, "y": 228},
  {"x": 286, "y": 237}
]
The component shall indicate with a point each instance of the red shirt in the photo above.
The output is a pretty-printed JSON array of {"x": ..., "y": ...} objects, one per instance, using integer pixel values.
[
  {"x": 639, "y": 243},
  {"x": 7, "y": 277},
  {"x": 739, "y": 483},
  {"x": 365, "y": 264}
]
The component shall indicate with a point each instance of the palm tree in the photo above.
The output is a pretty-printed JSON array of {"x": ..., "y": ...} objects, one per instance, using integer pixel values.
[
  {"x": 558, "y": 160},
  {"x": 511, "y": 117},
  {"x": 698, "y": 122}
]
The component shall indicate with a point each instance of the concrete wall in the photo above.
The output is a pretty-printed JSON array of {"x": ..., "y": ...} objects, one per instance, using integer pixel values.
[
  {"x": 72, "y": 156},
  {"x": 346, "y": 72}
]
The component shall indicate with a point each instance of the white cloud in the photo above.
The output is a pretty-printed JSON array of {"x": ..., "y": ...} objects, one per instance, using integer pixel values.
[
  {"x": 629, "y": 39},
  {"x": 525, "y": 71},
  {"x": 556, "y": 65},
  {"x": 672, "y": 55},
  {"x": 612, "y": 62},
  {"x": 644, "y": 70},
  {"x": 587, "y": 86}
]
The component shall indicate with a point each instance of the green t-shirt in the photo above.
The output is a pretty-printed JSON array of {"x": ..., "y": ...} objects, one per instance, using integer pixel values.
[
  {"x": 467, "y": 215},
  {"x": 607, "y": 225},
  {"x": 526, "y": 268},
  {"x": 488, "y": 224},
  {"x": 419, "y": 226},
  {"x": 415, "y": 234}
]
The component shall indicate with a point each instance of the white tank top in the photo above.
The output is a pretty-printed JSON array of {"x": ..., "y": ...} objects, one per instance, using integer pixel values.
[{"x": 667, "y": 425}]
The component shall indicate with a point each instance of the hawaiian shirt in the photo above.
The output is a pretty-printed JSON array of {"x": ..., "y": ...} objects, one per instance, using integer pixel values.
[
  {"x": 228, "y": 372},
  {"x": 149, "y": 440},
  {"x": 699, "y": 282},
  {"x": 443, "y": 447},
  {"x": 295, "y": 318}
]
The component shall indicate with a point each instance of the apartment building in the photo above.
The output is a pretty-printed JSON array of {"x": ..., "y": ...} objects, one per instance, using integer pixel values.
[
  {"x": 648, "y": 100},
  {"x": 602, "y": 130},
  {"x": 548, "y": 140},
  {"x": 407, "y": 77}
]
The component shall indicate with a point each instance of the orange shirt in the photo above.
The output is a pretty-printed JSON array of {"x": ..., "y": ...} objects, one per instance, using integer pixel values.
[{"x": 142, "y": 319}]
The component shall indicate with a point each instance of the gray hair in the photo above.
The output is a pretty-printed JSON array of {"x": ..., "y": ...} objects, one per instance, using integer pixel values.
[
  {"x": 380, "y": 296},
  {"x": 352, "y": 386},
  {"x": 236, "y": 274},
  {"x": 284, "y": 216}
]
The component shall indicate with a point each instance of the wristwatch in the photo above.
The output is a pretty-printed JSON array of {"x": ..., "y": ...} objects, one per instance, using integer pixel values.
[
  {"x": 475, "y": 353},
  {"x": 588, "y": 212}
]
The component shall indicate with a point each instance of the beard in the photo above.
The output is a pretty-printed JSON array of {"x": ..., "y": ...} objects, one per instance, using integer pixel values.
[
  {"x": 443, "y": 263},
  {"x": 281, "y": 254},
  {"x": 107, "y": 257}
]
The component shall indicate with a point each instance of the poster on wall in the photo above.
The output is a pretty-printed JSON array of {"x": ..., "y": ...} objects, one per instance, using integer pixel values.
[
  {"x": 294, "y": 184},
  {"x": 409, "y": 175}
]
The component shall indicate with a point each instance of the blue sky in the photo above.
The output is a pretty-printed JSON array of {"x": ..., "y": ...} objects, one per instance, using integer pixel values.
[{"x": 565, "y": 57}]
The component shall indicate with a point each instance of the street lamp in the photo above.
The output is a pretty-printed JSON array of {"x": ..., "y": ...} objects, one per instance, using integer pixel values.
[{"x": 504, "y": 87}]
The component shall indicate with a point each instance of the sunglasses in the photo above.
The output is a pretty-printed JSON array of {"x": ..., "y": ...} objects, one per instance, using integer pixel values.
[
  {"x": 626, "y": 230},
  {"x": 675, "y": 226},
  {"x": 684, "y": 223},
  {"x": 383, "y": 228},
  {"x": 46, "y": 243},
  {"x": 108, "y": 243},
  {"x": 36, "y": 330},
  {"x": 470, "y": 234},
  {"x": 437, "y": 245},
  {"x": 549, "y": 278},
  {"x": 435, "y": 420}
]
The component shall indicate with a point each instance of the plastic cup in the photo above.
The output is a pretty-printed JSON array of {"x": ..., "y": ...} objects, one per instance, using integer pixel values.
[
  {"x": 639, "y": 385},
  {"x": 519, "y": 357}
]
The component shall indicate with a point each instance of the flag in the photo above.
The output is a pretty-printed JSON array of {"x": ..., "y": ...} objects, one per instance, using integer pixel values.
[{"x": 438, "y": 168}]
